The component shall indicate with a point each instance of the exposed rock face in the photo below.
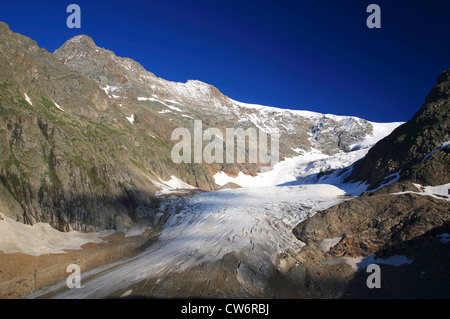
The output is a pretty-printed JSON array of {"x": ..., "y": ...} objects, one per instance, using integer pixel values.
[
  {"x": 386, "y": 223},
  {"x": 68, "y": 155},
  {"x": 139, "y": 91},
  {"x": 370, "y": 224}
]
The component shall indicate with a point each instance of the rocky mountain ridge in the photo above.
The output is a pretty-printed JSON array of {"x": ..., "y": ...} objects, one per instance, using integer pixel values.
[
  {"x": 409, "y": 145},
  {"x": 405, "y": 210},
  {"x": 87, "y": 134},
  {"x": 68, "y": 155},
  {"x": 130, "y": 85}
]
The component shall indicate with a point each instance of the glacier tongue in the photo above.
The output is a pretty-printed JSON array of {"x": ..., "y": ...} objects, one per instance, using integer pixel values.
[{"x": 255, "y": 223}]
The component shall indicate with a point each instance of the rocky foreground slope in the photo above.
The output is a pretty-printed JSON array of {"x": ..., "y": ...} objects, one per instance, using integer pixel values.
[{"x": 408, "y": 216}]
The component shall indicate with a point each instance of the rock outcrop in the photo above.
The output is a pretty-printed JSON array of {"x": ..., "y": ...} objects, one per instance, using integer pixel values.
[
  {"x": 405, "y": 149},
  {"x": 68, "y": 155},
  {"x": 372, "y": 224},
  {"x": 400, "y": 218}
]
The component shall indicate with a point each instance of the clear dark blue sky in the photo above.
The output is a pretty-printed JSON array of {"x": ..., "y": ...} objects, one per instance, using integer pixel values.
[{"x": 314, "y": 55}]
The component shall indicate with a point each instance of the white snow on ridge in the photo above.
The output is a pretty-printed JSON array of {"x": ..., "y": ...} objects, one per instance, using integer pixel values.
[
  {"x": 264, "y": 108},
  {"x": 302, "y": 113},
  {"x": 162, "y": 102},
  {"x": 193, "y": 89},
  {"x": 380, "y": 131}
]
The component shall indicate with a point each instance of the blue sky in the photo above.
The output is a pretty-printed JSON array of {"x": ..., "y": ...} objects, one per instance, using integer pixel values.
[{"x": 311, "y": 55}]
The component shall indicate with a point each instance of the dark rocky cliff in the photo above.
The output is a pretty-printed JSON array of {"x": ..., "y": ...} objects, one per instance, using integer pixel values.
[
  {"x": 398, "y": 219},
  {"x": 407, "y": 146},
  {"x": 67, "y": 152}
]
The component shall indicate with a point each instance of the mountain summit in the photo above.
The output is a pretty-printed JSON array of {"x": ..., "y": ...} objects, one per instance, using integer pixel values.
[{"x": 138, "y": 91}]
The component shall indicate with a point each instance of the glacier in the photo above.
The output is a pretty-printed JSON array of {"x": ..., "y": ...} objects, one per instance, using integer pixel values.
[{"x": 255, "y": 222}]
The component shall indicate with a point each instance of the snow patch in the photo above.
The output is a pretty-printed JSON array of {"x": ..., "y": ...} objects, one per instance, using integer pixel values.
[
  {"x": 379, "y": 131},
  {"x": 439, "y": 192},
  {"x": 173, "y": 185},
  {"x": 41, "y": 238},
  {"x": 175, "y": 182},
  {"x": 58, "y": 106},
  {"x": 360, "y": 263},
  {"x": 126, "y": 293},
  {"x": 173, "y": 108},
  {"x": 27, "y": 98},
  {"x": 108, "y": 89},
  {"x": 162, "y": 102},
  {"x": 131, "y": 118}
]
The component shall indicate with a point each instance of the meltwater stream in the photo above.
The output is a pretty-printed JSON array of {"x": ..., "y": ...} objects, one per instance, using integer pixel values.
[{"x": 257, "y": 223}]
